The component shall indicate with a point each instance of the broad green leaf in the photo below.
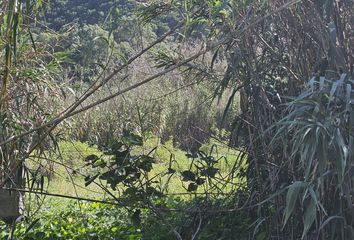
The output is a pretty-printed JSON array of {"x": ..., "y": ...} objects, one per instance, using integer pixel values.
[
  {"x": 91, "y": 157},
  {"x": 192, "y": 187},
  {"x": 310, "y": 216},
  {"x": 341, "y": 160},
  {"x": 188, "y": 176},
  {"x": 100, "y": 163},
  {"x": 291, "y": 197}
]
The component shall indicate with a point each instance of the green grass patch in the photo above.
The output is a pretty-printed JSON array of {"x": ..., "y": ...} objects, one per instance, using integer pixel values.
[{"x": 68, "y": 168}]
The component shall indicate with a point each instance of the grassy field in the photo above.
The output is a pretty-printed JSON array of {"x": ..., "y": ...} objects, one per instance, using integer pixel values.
[
  {"x": 63, "y": 218},
  {"x": 66, "y": 169}
]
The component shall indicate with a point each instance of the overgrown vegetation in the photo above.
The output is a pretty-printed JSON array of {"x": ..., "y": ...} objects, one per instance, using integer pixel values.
[{"x": 215, "y": 119}]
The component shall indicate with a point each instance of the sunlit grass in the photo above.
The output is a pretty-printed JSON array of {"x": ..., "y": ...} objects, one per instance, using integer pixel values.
[{"x": 68, "y": 169}]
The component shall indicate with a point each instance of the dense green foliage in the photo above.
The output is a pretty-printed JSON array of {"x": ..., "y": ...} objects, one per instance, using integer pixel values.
[
  {"x": 149, "y": 92},
  {"x": 62, "y": 12},
  {"x": 97, "y": 221},
  {"x": 84, "y": 221}
]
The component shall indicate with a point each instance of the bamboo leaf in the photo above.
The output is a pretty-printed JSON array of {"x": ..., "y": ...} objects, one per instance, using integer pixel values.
[
  {"x": 328, "y": 220},
  {"x": 333, "y": 90},
  {"x": 310, "y": 216},
  {"x": 291, "y": 197},
  {"x": 228, "y": 105}
]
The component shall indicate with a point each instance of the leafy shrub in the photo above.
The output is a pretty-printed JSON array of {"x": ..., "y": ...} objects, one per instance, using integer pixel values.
[
  {"x": 79, "y": 222},
  {"x": 105, "y": 222}
]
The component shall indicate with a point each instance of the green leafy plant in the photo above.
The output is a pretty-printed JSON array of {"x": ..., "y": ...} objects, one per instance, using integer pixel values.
[
  {"x": 318, "y": 131},
  {"x": 124, "y": 170},
  {"x": 79, "y": 222}
]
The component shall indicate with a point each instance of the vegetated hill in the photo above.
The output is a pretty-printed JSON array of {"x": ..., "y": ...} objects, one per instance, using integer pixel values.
[
  {"x": 107, "y": 13},
  {"x": 61, "y": 12}
]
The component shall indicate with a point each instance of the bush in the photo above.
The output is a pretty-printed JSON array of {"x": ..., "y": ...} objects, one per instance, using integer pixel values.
[
  {"x": 78, "y": 221},
  {"x": 106, "y": 222}
]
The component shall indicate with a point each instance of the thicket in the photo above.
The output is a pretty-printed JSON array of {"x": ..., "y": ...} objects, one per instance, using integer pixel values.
[{"x": 289, "y": 65}]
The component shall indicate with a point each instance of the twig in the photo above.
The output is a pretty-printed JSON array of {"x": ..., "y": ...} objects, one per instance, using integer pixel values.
[{"x": 69, "y": 197}]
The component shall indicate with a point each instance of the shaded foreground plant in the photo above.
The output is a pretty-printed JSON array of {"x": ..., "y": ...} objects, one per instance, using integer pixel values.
[
  {"x": 317, "y": 135},
  {"x": 26, "y": 88},
  {"x": 267, "y": 65}
]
